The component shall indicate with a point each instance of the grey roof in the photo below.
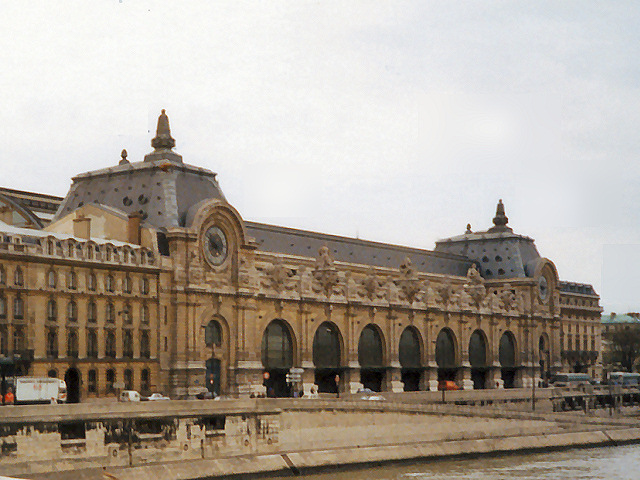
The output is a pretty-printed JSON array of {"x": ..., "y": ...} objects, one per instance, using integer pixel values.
[
  {"x": 305, "y": 243},
  {"x": 161, "y": 191},
  {"x": 580, "y": 288}
]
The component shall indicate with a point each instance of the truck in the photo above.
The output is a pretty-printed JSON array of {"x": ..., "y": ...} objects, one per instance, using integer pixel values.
[{"x": 33, "y": 390}]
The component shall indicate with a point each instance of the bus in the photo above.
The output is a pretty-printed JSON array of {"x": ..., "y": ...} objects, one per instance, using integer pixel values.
[
  {"x": 625, "y": 379},
  {"x": 571, "y": 380}
]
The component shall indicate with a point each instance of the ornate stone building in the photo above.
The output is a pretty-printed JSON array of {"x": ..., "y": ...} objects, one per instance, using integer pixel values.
[{"x": 146, "y": 277}]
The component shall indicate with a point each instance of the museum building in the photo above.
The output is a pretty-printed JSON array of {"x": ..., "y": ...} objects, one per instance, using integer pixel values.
[{"x": 144, "y": 277}]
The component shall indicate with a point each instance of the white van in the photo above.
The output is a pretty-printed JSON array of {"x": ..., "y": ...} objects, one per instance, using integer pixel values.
[{"x": 129, "y": 396}]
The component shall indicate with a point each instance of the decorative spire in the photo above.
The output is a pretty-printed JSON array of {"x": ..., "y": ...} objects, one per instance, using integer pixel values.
[
  {"x": 500, "y": 220},
  {"x": 123, "y": 160},
  {"x": 163, "y": 139}
]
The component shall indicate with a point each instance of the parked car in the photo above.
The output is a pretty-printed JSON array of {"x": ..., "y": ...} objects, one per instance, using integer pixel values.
[
  {"x": 157, "y": 396},
  {"x": 447, "y": 385},
  {"x": 129, "y": 396},
  {"x": 205, "y": 395}
]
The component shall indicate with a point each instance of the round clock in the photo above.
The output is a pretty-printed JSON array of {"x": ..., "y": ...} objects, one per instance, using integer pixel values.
[
  {"x": 215, "y": 245},
  {"x": 543, "y": 288}
]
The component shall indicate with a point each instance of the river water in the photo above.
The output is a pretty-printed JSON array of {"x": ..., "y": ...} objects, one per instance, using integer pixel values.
[{"x": 607, "y": 463}]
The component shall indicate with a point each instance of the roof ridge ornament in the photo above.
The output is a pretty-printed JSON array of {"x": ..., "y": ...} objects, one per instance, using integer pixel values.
[
  {"x": 500, "y": 220},
  {"x": 163, "y": 142}
]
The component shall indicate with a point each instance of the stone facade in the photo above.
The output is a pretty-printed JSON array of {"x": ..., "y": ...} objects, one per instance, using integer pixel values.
[{"x": 233, "y": 306}]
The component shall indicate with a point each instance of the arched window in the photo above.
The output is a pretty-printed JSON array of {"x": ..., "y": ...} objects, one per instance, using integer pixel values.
[
  {"x": 92, "y": 381},
  {"x": 446, "y": 349},
  {"x": 4, "y": 341},
  {"x": 145, "y": 380},
  {"x": 110, "y": 345},
  {"x": 213, "y": 334},
  {"x": 128, "y": 379},
  {"x": 109, "y": 283},
  {"x": 52, "y": 310},
  {"x": 3, "y": 276},
  {"x": 72, "y": 311},
  {"x": 370, "y": 347},
  {"x": 18, "y": 308},
  {"x": 144, "y": 286},
  {"x": 91, "y": 282},
  {"x": 72, "y": 344},
  {"x": 507, "y": 350},
  {"x": 126, "y": 284},
  {"x": 51, "y": 279},
  {"x": 52, "y": 343},
  {"x": 3, "y": 307},
  {"x": 127, "y": 344},
  {"x": 92, "y": 312},
  {"x": 90, "y": 252},
  {"x": 409, "y": 349},
  {"x": 111, "y": 380},
  {"x": 72, "y": 281},
  {"x": 110, "y": 314},
  {"x": 326, "y": 346},
  {"x": 92, "y": 344},
  {"x": 18, "y": 340},
  {"x": 477, "y": 350},
  {"x": 127, "y": 314},
  {"x": 277, "y": 346},
  {"x": 145, "y": 351},
  {"x": 18, "y": 278},
  {"x": 144, "y": 315}
]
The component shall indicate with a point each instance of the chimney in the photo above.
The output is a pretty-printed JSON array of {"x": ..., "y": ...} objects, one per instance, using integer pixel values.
[
  {"x": 82, "y": 227},
  {"x": 133, "y": 228}
]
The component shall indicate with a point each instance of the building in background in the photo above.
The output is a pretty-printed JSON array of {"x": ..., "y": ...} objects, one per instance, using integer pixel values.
[{"x": 146, "y": 278}]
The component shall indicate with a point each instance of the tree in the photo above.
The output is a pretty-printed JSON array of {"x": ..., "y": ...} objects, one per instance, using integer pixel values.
[{"x": 624, "y": 346}]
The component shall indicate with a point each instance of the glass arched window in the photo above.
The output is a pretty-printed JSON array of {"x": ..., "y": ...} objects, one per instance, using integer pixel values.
[
  {"x": 326, "y": 346},
  {"x": 477, "y": 350},
  {"x": 111, "y": 380},
  {"x": 3, "y": 307},
  {"x": 507, "y": 350},
  {"x": 109, "y": 283},
  {"x": 446, "y": 349},
  {"x": 91, "y": 282},
  {"x": 92, "y": 381},
  {"x": 277, "y": 346},
  {"x": 145, "y": 351},
  {"x": 72, "y": 311},
  {"x": 72, "y": 280},
  {"x": 52, "y": 343},
  {"x": 370, "y": 347},
  {"x": 72, "y": 344},
  {"x": 127, "y": 344},
  {"x": 128, "y": 379},
  {"x": 51, "y": 279},
  {"x": 409, "y": 349},
  {"x": 213, "y": 334},
  {"x": 110, "y": 313},
  {"x": 92, "y": 344},
  {"x": 18, "y": 278},
  {"x": 92, "y": 312},
  {"x": 18, "y": 308},
  {"x": 110, "y": 345},
  {"x": 52, "y": 310}
]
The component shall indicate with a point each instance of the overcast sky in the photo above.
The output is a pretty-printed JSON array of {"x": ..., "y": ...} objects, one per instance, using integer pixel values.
[{"x": 392, "y": 121}]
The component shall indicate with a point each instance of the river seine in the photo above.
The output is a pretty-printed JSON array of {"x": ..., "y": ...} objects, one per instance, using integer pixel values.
[{"x": 609, "y": 463}]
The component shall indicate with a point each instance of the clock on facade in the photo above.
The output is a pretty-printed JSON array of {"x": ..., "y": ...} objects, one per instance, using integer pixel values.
[
  {"x": 543, "y": 288},
  {"x": 215, "y": 245}
]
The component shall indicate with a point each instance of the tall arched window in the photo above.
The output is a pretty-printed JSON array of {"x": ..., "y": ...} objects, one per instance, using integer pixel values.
[
  {"x": 277, "y": 347},
  {"x": 145, "y": 351},
  {"x": 128, "y": 379},
  {"x": 144, "y": 286},
  {"x": 110, "y": 345},
  {"x": 144, "y": 315},
  {"x": 51, "y": 279},
  {"x": 18, "y": 308},
  {"x": 72, "y": 311},
  {"x": 52, "y": 310},
  {"x": 111, "y": 380},
  {"x": 72, "y": 343},
  {"x": 370, "y": 347},
  {"x": 109, "y": 283},
  {"x": 72, "y": 280},
  {"x": 446, "y": 349},
  {"x": 145, "y": 380},
  {"x": 52, "y": 343},
  {"x": 3, "y": 307},
  {"x": 3, "y": 276},
  {"x": 18, "y": 278},
  {"x": 92, "y": 344},
  {"x": 326, "y": 346},
  {"x": 110, "y": 314},
  {"x": 127, "y": 344},
  {"x": 91, "y": 282},
  {"x": 92, "y": 312},
  {"x": 126, "y": 284},
  {"x": 213, "y": 334}
]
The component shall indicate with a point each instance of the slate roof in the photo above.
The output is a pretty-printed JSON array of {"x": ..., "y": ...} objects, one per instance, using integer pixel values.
[{"x": 619, "y": 318}]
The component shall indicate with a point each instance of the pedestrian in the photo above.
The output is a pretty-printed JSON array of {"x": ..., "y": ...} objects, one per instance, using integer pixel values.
[{"x": 9, "y": 398}]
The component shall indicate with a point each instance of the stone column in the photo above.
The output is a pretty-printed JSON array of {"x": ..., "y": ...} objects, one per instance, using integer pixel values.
[{"x": 395, "y": 377}]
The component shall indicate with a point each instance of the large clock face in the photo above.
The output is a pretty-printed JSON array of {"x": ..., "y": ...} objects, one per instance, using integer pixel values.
[
  {"x": 215, "y": 245},
  {"x": 543, "y": 288}
]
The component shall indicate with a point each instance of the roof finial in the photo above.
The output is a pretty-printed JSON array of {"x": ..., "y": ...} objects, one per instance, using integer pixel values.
[
  {"x": 123, "y": 160},
  {"x": 468, "y": 228},
  {"x": 500, "y": 220},
  {"x": 163, "y": 140}
]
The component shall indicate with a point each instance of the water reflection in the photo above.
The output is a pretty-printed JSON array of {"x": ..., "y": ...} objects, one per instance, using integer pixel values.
[{"x": 619, "y": 463}]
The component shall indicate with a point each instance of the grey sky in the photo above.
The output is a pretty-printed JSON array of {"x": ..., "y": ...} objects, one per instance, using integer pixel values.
[{"x": 394, "y": 121}]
